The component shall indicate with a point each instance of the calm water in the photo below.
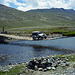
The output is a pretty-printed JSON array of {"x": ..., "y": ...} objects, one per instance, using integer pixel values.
[{"x": 21, "y": 51}]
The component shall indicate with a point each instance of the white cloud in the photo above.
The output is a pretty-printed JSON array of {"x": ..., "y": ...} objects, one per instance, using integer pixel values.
[
  {"x": 40, "y": 4},
  {"x": 5, "y": 2},
  {"x": 72, "y": 3},
  {"x": 15, "y": 2}
]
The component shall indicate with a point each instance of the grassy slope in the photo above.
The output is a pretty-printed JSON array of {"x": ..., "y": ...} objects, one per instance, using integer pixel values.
[{"x": 52, "y": 20}]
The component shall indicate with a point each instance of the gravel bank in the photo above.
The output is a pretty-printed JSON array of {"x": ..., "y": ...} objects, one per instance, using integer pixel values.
[{"x": 22, "y": 68}]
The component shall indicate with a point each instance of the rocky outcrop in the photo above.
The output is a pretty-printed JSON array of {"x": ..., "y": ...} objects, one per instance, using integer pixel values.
[{"x": 47, "y": 63}]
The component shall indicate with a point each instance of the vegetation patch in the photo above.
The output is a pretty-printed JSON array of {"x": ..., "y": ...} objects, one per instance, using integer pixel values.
[
  {"x": 71, "y": 58},
  {"x": 46, "y": 20},
  {"x": 18, "y": 69},
  {"x": 70, "y": 33}
]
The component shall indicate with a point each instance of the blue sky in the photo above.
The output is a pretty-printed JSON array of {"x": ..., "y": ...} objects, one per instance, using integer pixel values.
[{"x": 25, "y": 5}]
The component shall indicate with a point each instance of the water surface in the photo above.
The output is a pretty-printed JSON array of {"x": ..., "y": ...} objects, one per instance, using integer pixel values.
[{"x": 22, "y": 51}]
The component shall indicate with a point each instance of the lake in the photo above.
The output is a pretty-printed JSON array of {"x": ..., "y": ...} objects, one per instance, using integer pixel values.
[{"x": 22, "y": 51}]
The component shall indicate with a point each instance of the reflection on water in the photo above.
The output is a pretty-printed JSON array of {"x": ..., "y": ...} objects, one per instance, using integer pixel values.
[
  {"x": 22, "y": 51},
  {"x": 40, "y": 51},
  {"x": 19, "y": 54},
  {"x": 4, "y": 58},
  {"x": 65, "y": 43}
]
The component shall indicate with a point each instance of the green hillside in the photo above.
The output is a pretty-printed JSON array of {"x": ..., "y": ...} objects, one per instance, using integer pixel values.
[{"x": 47, "y": 20}]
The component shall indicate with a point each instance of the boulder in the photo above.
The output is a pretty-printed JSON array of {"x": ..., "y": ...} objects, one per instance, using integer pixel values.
[
  {"x": 63, "y": 64},
  {"x": 31, "y": 65},
  {"x": 53, "y": 68},
  {"x": 36, "y": 67},
  {"x": 54, "y": 64},
  {"x": 48, "y": 63},
  {"x": 67, "y": 63},
  {"x": 40, "y": 69},
  {"x": 44, "y": 70},
  {"x": 49, "y": 68},
  {"x": 42, "y": 58}
]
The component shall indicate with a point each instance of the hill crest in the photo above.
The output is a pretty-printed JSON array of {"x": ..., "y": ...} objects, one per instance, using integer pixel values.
[{"x": 39, "y": 18}]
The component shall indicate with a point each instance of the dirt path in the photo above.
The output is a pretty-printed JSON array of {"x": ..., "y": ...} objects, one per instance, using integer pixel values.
[{"x": 16, "y": 37}]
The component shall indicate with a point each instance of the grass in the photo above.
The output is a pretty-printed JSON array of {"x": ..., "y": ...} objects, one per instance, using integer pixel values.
[
  {"x": 71, "y": 58},
  {"x": 45, "y": 29},
  {"x": 15, "y": 70},
  {"x": 48, "y": 21},
  {"x": 70, "y": 33},
  {"x": 60, "y": 56}
]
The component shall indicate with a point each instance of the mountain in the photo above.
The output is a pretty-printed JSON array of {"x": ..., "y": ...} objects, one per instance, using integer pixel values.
[
  {"x": 39, "y": 19},
  {"x": 54, "y": 10}
]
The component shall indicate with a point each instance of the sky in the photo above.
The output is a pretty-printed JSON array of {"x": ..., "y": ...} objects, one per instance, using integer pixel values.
[{"x": 25, "y": 5}]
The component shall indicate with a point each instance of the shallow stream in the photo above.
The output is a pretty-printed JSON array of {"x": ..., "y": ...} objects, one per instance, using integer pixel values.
[{"x": 22, "y": 51}]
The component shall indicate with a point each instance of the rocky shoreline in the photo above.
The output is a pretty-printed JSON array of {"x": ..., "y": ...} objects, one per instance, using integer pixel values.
[
  {"x": 47, "y": 63},
  {"x": 50, "y": 65}
]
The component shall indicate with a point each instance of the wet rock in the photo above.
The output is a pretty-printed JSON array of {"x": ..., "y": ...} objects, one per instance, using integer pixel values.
[
  {"x": 40, "y": 69},
  {"x": 67, "y": 63},
  {"x": 44, "y": 70},
  {"x": 39, "y": 61},
  {"x": 57, "y": 59},
  {"x": 48, "y": 68},
  {"x": 54, "y": 64},
  {"x": 31, "y": 64},
  {"x": 58, "y": 62},
  {"x": 48, "y": 57},
  {"x": 42, "y": 58},
  {"x": 47, "y": 63},
  {"x": 64, "y": 61},
  {"x": 36, "y": 67},
  {"x": 43, "y": 64},
  {"x": 54, "y": 58},
  {"x": 63, "y": 64},
  {"x": 53, "y": 68},
  {"x": 10, "y": 63}
]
